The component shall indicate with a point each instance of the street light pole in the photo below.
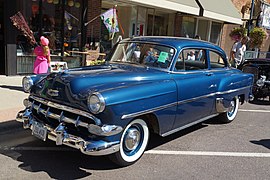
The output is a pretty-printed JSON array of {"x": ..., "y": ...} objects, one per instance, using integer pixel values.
[{"x": 250, "y": 17}]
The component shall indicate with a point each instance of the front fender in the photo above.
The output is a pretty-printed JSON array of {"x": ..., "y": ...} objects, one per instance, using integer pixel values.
[{"x": 159, "y": 98}]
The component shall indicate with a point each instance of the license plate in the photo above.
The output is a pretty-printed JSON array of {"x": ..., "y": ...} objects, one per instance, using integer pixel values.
[{"x": 39, "y": 131}]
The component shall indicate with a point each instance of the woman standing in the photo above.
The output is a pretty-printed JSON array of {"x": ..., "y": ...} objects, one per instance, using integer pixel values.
[{"x": 43, "y": 58}]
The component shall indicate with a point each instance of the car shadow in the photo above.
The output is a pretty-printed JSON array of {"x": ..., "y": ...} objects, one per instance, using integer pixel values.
[
  {"x": 261, "y": 101},
  {"x": 59, "y": 162},
  {"x": 62, "y": 162},
  {"x": 262, "y": 142},
  {"x": 17, "y": 88}
]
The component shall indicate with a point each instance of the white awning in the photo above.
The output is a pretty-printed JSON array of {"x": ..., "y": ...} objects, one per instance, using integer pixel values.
[
  {"x": 222, "y": 10},
  {"x": 185, "y": 6}
]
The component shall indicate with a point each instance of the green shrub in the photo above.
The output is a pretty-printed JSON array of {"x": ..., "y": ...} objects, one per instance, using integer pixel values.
[
  {"x": 257, "y": 35},
  {"x": 237, "y": 33}
]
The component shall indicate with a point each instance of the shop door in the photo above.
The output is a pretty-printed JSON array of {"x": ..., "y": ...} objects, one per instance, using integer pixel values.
[{"x": 2, "y": 43}]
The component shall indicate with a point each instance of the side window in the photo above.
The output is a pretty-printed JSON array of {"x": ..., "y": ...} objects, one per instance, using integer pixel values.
[
  {"x": 216, "y": 60},
  {"x": 191, "y": 59}
]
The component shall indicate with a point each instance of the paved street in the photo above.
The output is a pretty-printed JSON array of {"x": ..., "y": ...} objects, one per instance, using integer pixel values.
[{"x": 239, "y": 150}]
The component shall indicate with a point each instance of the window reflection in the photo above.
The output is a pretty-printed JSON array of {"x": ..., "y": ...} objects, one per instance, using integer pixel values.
[
  {"x": 150, "y": 55},
  {"x": 61, "y": 24}
]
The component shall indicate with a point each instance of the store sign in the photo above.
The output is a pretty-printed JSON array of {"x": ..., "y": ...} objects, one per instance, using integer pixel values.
[{"x": 265, "y": 16}]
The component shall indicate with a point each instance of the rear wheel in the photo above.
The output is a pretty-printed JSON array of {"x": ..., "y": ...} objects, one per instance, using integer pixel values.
[
  {"x": 133, "y": 143},
  {"x": 231, "y": 113}
]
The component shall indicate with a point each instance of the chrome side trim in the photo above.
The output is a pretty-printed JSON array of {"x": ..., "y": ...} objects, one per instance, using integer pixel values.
[
  {"x": 135, "y": 114},
  {"x": 65, "y": 108},
  {"x": 148, "y": 111},
  {"x": 188, "y": 125},
  {"x": 233, "y": 90},
  {"x": 196, "y": 98},
  {"x": 212, "y": 94}
]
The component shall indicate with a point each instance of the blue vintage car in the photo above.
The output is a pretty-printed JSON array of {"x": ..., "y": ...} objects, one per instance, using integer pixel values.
[{"x": 147, "y": 84}]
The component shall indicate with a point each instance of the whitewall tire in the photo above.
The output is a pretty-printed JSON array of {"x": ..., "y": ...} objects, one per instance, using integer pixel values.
[
  {"x": 231, "y": 113},
  {"x": 133, "y": 143}
]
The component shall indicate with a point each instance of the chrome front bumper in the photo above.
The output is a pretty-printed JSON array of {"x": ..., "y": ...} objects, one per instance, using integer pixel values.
[{"x": 60, "y": 136}]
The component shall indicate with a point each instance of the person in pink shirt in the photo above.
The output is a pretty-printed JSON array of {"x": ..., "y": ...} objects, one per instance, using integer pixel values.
[{"x": 43, "y": 58}]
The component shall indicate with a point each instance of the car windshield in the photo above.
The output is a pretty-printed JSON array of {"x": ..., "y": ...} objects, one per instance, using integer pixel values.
[{"x": 145, "y": 54}]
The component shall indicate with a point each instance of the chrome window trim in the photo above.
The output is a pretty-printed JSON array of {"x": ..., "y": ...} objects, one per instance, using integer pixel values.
[
  {"x": 135, "y": 114},
  {"x": 66, "y": 108},
  {"x": 201, "y": 71},
  {"x": 173, "y": 70}
]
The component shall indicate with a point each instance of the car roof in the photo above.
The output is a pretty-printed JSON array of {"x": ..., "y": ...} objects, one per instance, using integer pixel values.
[{"x": 177, "y": 42}]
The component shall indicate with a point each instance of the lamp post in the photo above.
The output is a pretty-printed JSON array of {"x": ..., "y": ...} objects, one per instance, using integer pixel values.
[{"x": 250, "y": 17}]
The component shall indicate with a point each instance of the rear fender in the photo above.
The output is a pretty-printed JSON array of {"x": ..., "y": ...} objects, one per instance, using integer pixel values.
[{"x": 235, "y": 85}]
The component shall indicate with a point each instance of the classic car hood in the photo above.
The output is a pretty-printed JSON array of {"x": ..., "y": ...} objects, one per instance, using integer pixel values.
[
  {"x": 108, "y": 77},
  {"x": 78, "y": 83}
]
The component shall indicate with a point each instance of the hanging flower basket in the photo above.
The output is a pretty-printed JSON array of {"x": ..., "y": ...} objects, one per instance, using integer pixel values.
[
  {"x": 257, "y": 35},
  {"x": 237, "y": 33}
]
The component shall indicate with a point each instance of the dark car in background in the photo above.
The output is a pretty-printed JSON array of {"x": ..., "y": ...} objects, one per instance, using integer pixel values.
[{"x": 258, "y": 64}]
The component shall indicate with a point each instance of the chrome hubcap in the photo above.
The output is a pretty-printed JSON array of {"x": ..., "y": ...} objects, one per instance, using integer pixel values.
[
  {"x": 231, "y": 108},
  {"x": 132, "y": 139}
]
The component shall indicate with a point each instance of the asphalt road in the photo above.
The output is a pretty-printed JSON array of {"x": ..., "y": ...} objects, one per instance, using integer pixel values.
[{"x": 210, "y": 150}]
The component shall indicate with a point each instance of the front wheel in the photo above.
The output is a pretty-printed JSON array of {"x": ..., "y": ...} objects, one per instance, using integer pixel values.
[
  {"x": 231, "y": 113},
  {"x": 133, "y": 143}
]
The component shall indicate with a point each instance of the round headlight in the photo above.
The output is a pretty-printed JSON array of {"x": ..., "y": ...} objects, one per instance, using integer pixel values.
[
  {"x": 96, "y": 103},
  {"x": 27, "y": 83},
  {"x": 261, "y": 81}
]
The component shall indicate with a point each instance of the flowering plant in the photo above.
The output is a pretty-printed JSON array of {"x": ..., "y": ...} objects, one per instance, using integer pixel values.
[
  {"x": 257, "y": 35},
  {"x": 237, "y": 33}
]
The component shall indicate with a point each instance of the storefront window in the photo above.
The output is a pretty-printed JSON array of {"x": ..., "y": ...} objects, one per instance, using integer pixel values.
[
  {"x": 61, "y": 24},
  {"x": 215, "y": 32},
  {"x": 50, "y": 25},
  {"x": 72, "y": 25},
  {"x": 160, "y": 27},
  {"x": 203, "y": 29},
  {"x": 138, "y": 18},
  {"x": 188, "y": 27}
]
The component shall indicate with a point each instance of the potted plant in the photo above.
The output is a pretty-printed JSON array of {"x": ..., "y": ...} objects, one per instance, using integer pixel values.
[
  {"x": 257, "y": 35},
  {"x": 237, "y": 33}
]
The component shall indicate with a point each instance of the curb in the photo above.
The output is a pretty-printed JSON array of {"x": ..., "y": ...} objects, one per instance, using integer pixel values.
[{"x": 9, "y": 126}]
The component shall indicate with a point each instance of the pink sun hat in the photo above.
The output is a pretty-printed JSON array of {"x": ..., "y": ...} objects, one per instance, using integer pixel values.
[{"x": 44, "y": 41}]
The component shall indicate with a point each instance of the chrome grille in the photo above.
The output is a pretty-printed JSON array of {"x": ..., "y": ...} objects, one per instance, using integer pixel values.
[
  {"x": 252, "y": 70},
  {"x": 61, "y": 113}
]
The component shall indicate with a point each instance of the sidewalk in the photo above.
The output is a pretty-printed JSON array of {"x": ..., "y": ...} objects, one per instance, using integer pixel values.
[{"x": 11, "y": 97}]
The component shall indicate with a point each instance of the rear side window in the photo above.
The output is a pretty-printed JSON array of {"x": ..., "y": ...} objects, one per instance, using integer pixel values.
[
  {"x": 216, "y": 60},
  {"x": 191, "y": 59}
]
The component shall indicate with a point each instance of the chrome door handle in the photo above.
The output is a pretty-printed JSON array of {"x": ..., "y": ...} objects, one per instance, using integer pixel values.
[
  {"x": 209, "y": 74},
  {"x": 213, "y": 86}
]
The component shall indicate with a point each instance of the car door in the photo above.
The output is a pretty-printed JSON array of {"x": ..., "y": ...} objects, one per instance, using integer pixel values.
[{"x": 196, "y": 87}]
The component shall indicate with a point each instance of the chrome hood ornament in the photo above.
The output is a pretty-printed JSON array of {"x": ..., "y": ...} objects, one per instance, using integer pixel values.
[{"x": 53, "y": 92}]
